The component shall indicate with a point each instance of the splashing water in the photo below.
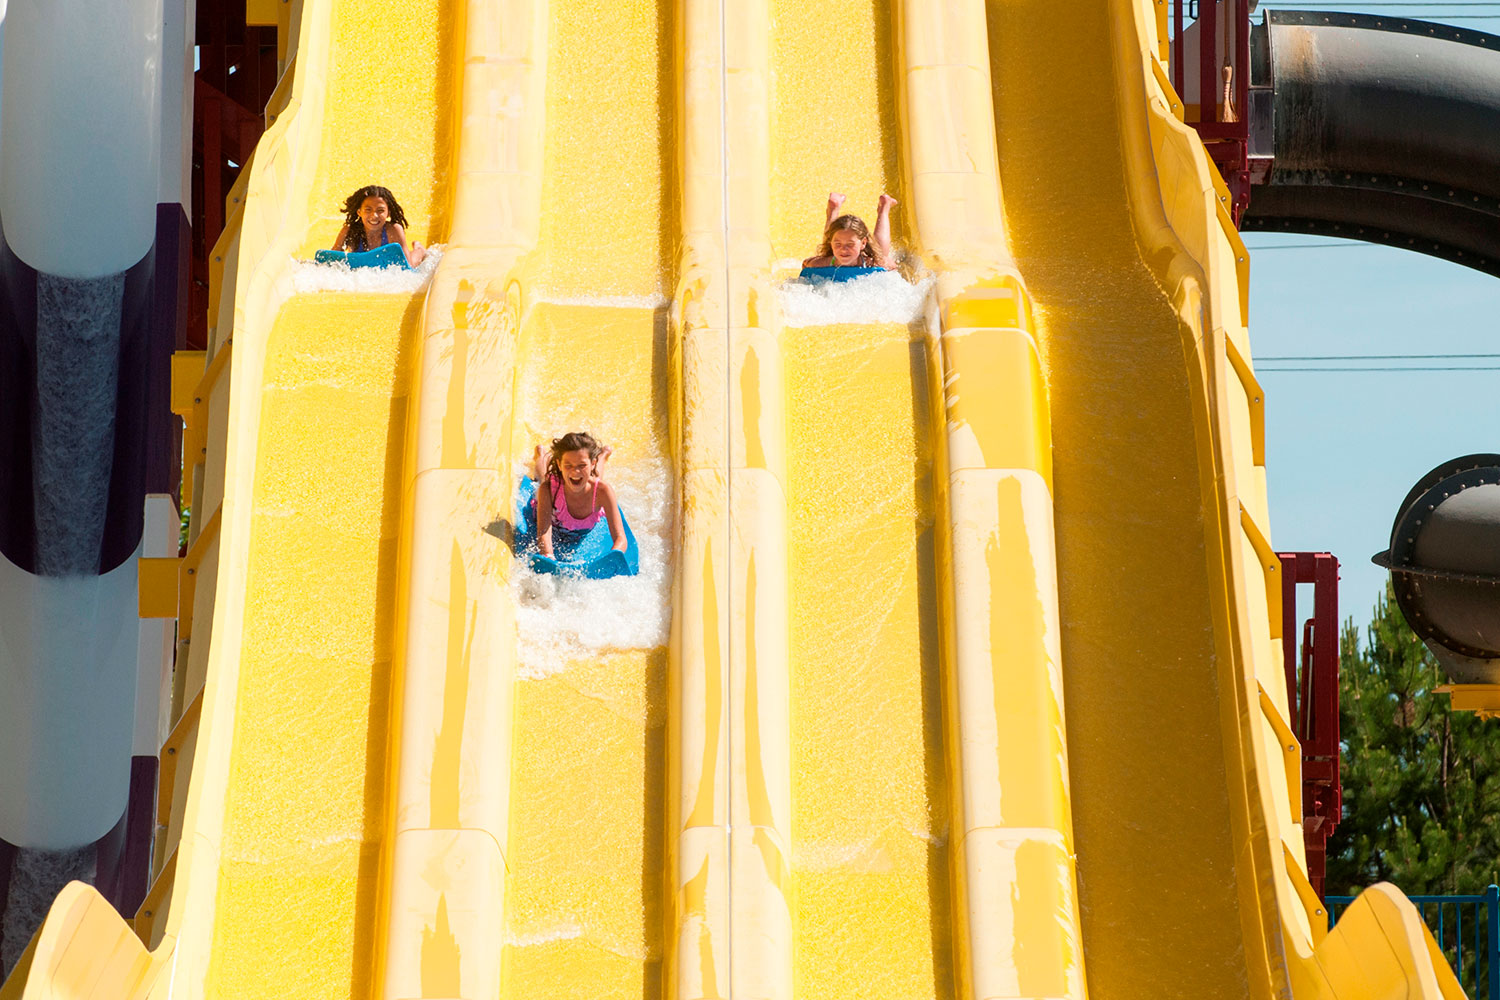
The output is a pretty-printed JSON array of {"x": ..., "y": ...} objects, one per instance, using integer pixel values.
[
  {"x": 562, "y": 620},
  {"x": 310, "y": 276},
  {"x": 886, "y": 297}
]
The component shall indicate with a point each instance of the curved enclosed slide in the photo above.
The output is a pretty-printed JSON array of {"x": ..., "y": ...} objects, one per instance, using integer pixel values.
[
  {"x": 960, "y": 638},
  {"x": 1382, "y": 130}
]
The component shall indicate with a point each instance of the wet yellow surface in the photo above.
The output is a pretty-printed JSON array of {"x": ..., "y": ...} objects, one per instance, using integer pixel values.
[
  {"x": 585, "y": 883},
  {"x": 584, "y": 887},
  {"x": 305, "y": 815},
  {"x": 835, "y": 124},
  {"x": 868, "y": 811},
  {"x": 296, "y": 913}
]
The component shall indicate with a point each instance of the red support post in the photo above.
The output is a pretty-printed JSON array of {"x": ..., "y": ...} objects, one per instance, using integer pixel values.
[
  {"x": 1178, "y": 51},
  {"x": 1313, "y": 698},
  {"x": 1208, "y": 61},
  {"x": 1226, "y": 136},
  {"x": 236, "y": 74}
]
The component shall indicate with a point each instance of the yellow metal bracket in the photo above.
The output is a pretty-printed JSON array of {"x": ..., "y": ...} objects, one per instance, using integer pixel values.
[
  {"x": 187, "y": 372},
  {"x": 1317, "y": 914},
  {"x": 156, "y": 586},
  {"x": 261, "y": 13},
  {"x": 1291, "y": 749},
  {"x": 171, "y": 756},
  {"x": 1481, "y": 699},
  {"x": 1256, "y": 398},
  {"x": 1270, "y": 565},
  {"x": 144, "y": 923},
  {"x": 189, "y": 572}
]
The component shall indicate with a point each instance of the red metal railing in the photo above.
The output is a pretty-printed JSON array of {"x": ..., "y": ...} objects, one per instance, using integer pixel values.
[
  {"x": 236, "y": 74},
  {"x": 1312, "y": 687},
  {"x": 1221, "y": 72}
]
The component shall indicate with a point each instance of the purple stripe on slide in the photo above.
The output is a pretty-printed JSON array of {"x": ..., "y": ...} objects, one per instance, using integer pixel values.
[
  {"x": 153, "y": 323},
  {"x": 169, "y": 313},
  {"x": 108, "y": 850},
  {"x": 7, "y": 859},
  {"x": 147, "y": 441},
  {"x": 140, "y": 827},
  {"x": 17, "y": 399},
  {"x": 123, "y": 867}
]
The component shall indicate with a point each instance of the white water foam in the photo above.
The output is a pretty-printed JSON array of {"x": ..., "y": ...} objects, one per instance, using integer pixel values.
[
  {"x": 310, "y": 276},
  {"x": 565, "y": 931},
  {"x": 869, "y": 854},
  {"x": 657, "y": 301},
  {"x": 562, "y": 620},
  {"x": 886, "y": 297}
]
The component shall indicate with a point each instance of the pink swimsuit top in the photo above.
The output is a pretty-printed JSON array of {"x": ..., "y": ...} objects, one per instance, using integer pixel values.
[{"x": 560, "y": 512}]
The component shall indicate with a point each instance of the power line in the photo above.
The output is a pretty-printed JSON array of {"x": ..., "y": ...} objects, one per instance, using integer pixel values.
[
  {"x": 1414, "y": 368},
  {"x": 1371, "y": 357},
  {"x": 1421, "y": 3},
  {"x": 1346, "y": 244}
]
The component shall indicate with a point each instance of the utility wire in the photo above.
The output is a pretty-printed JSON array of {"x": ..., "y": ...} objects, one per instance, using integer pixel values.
[
  {"x": 1413, "y": 368},
  {"x": 1423, "y": 3},
  {"x": 1346, "y": 244},
  {"x": 1371, "y": 357}
]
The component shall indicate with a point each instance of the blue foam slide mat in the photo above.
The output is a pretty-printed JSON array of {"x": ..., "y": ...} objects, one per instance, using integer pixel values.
[
  {"x": 390, "y": 255},
  {"x": 837, "y": 273},
  {"x": 592, "y": 556}
]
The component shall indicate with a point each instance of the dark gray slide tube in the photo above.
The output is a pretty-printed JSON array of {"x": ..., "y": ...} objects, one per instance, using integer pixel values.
[{"x": 1386, "y": 129}]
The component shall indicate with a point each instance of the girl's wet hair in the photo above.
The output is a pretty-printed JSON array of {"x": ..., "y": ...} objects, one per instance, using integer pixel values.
[
  {"x": 855, "y": 225},
  {"x": 355, "y": 240},
  {"x": 572, "y": 441}
]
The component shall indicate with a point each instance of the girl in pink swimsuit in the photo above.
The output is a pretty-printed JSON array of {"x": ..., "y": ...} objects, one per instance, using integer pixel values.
[{"x": 571, "y": 497}]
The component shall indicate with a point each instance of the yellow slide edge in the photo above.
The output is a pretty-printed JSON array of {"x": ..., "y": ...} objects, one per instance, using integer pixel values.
[
  {"x": 84, "y": 948},
  {"x": 1186, "y": 239},
  {"x": 997, "y": 566},
  {"x": 444, "y": 856},
  {"x": 730, "y": 641}
]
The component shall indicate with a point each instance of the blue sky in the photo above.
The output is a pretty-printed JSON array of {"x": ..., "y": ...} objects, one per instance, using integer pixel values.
[{"x": 1342, "y": 448}]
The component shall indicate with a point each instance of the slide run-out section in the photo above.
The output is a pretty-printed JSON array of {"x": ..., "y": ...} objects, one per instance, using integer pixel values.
[
  {"x": 304, "y": 813},
  {"x": 869, "y": 814},
  {"x": 951, "y": 668},
  {"x": 584, "y": 886}
]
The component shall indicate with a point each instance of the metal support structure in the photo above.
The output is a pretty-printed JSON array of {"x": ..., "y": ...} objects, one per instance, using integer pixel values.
[
  {"x": 236, "y": 73},
  {"x": 1312, "y": 687},
  {"x": 1222, "y": 77}
]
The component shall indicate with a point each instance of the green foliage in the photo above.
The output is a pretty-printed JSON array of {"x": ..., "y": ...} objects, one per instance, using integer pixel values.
[{"x": 1421, "y": 786}]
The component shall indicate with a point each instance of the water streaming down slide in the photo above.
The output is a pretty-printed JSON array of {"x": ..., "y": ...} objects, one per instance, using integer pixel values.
[
  {"x": 421, "y": 773},
  {"x": 870, "y": 817},
  {"x": 315, "y": 488},
  {"x": 583, "y": 892}
]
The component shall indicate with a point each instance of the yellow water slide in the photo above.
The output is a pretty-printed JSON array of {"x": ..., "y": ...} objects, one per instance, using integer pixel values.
[{"x": 951, "y": 670}]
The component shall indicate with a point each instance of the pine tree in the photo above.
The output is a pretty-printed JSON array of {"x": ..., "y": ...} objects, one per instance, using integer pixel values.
[{"x": 1421, "y": 786}]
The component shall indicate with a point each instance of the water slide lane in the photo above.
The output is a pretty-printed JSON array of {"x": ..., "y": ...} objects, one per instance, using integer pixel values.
[
  {"x": 304, "y": 814},
  {"x": 528, "y": 766},
  {"x": 583, "y": 894},
  {"x": 1175, "y": 746},
  {"x": 871, "y": 807},
  {"x": 869, "y": 802},
  {"x": 276, "y": 863}
]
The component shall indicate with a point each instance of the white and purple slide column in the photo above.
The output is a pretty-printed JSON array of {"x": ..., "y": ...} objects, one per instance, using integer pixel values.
[{"x": 95, "y": 140}]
